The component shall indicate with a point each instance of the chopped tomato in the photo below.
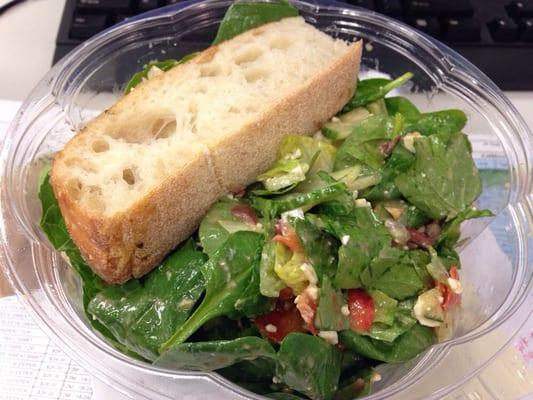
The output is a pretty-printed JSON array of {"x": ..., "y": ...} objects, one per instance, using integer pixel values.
[
  {"x": 290, "y": 239},
  {"x": 246, "y": 213},
  {"x": 361, "y": 306},
  {"x": 306, "y": 304},
  {"x": 419, "y": 238},
  {"x": 239, "y": 193},
  {"x": 450, "y": 297},
  {"x": 286, "y": 294},
  {"x": 277, "y": 324}
]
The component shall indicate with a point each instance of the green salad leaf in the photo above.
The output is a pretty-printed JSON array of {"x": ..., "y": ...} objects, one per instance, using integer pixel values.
[
  {"x": 209, "y": 356},
  {"x": 314, "y": 372},
  {"x": 444, "y": 180},
  {"x": 244, "y": 15},
  {"x": 232, "y": 284},
  {"x": 450, "y": 233},
  {"x": 328, "y": 314},
  {"x": 444, "y": 122},
  {"x": 219, "y": 223},
  {"x": 363, "y": 144},
  {"x": 405, "y": 347},
  {"x": 270, "y": 283},
  {"x": 362, "y": 236},
  {"x": 370, "y": 90},
  {"x": 401, "y": 105},
  {"x": 143, "y": 314}
]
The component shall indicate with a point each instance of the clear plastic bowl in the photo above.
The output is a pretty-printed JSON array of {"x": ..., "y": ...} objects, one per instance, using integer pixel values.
[{"x": 497, "y": 260}]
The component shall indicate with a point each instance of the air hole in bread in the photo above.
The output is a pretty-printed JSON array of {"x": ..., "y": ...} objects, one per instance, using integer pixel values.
[
  {"x": 248, "y": 55},
  {"x": 280, "y": 42},
  {"x": 100, "y": 145},
  {"x": 128, "y": 176},
  {"x": 210, "y": 70},
  {"x": 163, "y": 128},
  {"x": 234, "y": 110},
  {"x": 201, "y": 89},
  {"x": 254, "y": 74},
  {"x": 88, "y": 166},
  {"x": 139, "y": 245},
  {"x": 74, "y": 187}
]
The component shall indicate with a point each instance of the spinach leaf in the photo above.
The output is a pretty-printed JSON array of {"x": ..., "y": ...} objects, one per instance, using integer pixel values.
[
  {"x": 209, "y": 356},
  {"x": 306, "y": 201},
  {"x": 393, "y": 274},
  {"x": 405, "y": 347},
  {"x": 358, "y": 385},
  {"x": 232, "y": 284},
  {"x": 143, "y": 314},
  {"x": 444, "y": 179},
  {"x": 363, "y": 144},
  {"x": 259, "y": 370},
  {"x": 399, "y": 161},
  {"x": 163, "y": 65},
  {"x": 328, "y": 314},
  {"x": 219, "y": 223},
  {"x": 244, "y": 15},
  {"x": 320, "y": 248},
  {"x": 450, "y": 233},
  {"x": 444, "y": 122},
  {"x": 283, "y": 396},
  {"x": 401, "y": 105},
  {"x": 370, "y": 90},
  {"x": 309, "y": 365},
  {"x": 362, "y": 236},
  {"x": 53, "y": 225}
]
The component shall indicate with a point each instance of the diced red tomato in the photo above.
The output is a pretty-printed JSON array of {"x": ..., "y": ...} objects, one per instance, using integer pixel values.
[
  {"x": 239, "y": 193},
  {"x": 450, "y": 297},
  {"x": 286, "y": 294},
  {"x": 246, "y": 213},
  {"x": 290, "y": 239},
  {"x": 307, "y": 305},
  {"x": 280, "y": 322},
  {"x": 361, "y": 306},
  {"x": 419, "y": 238}
]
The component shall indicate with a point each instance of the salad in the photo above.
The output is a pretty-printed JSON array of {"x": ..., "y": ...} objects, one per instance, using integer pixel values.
[{"x": 340, "y": 257}]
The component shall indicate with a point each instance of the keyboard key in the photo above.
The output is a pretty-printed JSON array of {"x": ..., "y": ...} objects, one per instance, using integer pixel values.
[
  {"x": 392, "y": 8},
  {"x": 520, "y": 8},
  {"x": 427, "y": 25},
  {"x": 503, "y": 30},
  {"x": 525, "y": 28},
  {"x": 85, "y": 26},
  {"x": 146, "y": 5},
  {"x": 368, "y": 4},
  {"x": 461, "y": 30},
  {"x": 440, "y": 8},
  {"x": 103, "y": 5}
]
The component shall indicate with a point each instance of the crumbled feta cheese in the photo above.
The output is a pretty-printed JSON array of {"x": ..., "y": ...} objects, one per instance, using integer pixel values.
[
  {"x": 345, "y": 239},
  {"x": 345, "y": 310},
  {"x": 376, "y": 377},
  {"x": 296, "y": 213},
  {"x": 329, "y": 336},
  {"x": 335, "y": 119},
  {"x": 271, "y": 328},
  {"x": 355, "y": 194},
  {"x": 186, "y": 302},
  {"x": 313, "y": 292},
  {"x": 455, "y": 285},
  {"x": 408, "y": 141},
  {"x": 362, "y": 203},
  {"x": 309, "y": 273}
]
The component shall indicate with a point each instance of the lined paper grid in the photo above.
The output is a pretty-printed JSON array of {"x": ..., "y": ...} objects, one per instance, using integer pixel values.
[{"x": 31, "y": 366}]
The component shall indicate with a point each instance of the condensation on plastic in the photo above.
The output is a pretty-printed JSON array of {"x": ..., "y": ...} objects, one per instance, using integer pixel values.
[{"x": 92, "y": 77}]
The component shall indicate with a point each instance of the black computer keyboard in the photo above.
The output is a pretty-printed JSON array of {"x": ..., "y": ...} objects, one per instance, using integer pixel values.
[{"x": 495, "y": 35}]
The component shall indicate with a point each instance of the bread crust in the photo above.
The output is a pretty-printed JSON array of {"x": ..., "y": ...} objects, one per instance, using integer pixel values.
[{"x": 132, "y": 242}]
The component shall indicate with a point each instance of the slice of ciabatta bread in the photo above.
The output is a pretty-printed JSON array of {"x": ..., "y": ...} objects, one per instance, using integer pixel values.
[{"x": 137, "y": 180}]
